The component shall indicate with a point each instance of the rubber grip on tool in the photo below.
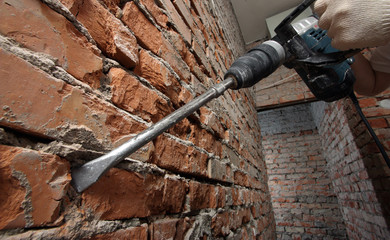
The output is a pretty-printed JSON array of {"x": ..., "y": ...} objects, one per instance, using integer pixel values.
[{"x": 257, "y": 64}]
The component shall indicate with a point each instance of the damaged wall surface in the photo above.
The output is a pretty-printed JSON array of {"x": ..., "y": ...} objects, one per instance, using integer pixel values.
[{"x": 80, "y": 77}]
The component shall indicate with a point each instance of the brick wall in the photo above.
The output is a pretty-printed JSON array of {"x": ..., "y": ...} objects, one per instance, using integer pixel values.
[
  {"x": 80, "y": 77},
  {"x": 283, "y": 87},
  {"x": 359, "y": 174},
  {"x": 303, "y": 199},
  {"x": 287, "y": 119}
]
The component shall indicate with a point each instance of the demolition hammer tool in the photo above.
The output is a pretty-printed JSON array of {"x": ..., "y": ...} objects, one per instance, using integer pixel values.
[{"x": 246, "y": 71}]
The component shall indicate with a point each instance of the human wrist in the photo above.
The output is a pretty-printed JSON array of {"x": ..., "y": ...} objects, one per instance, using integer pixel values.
[{"x": 385, "y": 6}]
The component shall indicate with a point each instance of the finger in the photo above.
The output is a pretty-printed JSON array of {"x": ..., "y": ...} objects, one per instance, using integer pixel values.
[
  {"x": 325, "y": 21},
  {"x": 320, "y": 7}
]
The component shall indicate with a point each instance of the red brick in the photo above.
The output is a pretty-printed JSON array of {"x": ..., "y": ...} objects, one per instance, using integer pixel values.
[
  {"x": 177, "y": 157},
  {"x": 367, "y": 102},
  {"x": 111, "y": 36},
  {"x": 175, "y": 60},
  {"x": 202, "y": 138},
  {"x": 129, "y": 94},
  {"x": 113, "y": 5},
  {"x": 236, "y": 197},
  {"x": 378, "y": 123},
  {"x": 376, "y": 112},
  {"x": 220, "y": 224},
  {"x": 164, "y": 229},
  {"x": 174, "y": 195},
  {"x": 177, "y": 20},
  {"x": 37, "y": 103},
  {"x": 152, "y": 39},
  {"x": 200, "y": 195},
  {"x": 210, "y": 119},
  {"x": 201, "y": 55},
  {"x": 40, "y": 29},
  {"x": 33, "y": 185},
  {"x": 159, "y": 76},
  {"x": 184, "y": 11},
  {"x": 221, "y": 197},
  {"x": 241, "y": 179},
  {"x": 147, "y": 34},
  {"x": 140, "y": 233},
  {"x": 121, "y": 194},
  {"x": 174, "y": 40},
  {"x": 160, "y": 17}
]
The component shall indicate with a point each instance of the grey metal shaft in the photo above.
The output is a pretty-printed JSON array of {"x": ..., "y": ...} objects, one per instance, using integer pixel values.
[{"x": 89, "y": 173}]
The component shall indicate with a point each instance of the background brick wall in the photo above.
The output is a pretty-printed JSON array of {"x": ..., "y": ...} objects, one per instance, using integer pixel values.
[
  {"x": 282, "y": 88},
  {"x": 359, "y": 174},
  {"x": 303, "y": 198},
  {"x": 80, "y": 77},
  {"x": 354, "y": 166}
]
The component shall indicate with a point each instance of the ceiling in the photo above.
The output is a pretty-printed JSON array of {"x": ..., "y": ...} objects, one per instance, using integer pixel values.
[{"x": 251, "y": 15}]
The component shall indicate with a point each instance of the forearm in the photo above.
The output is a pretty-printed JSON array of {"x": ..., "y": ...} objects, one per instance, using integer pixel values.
[
  {"x": 364, "y": 74},
  {"x": 368, "y": 82}
]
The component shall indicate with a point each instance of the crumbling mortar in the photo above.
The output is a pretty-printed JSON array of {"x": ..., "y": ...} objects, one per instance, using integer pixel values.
[
  {"x": 148, "y": 15},
  {"x": 46, "y": 63},
  {"x": 26, "y": 204},
  {"x": 133, "y": 165},
  {"x": 166, "y": 64},
  {"x": 109, "y": 63},
  {"x": 189, "y": 144},
  {"x": 234, "y": 167},
  {"x": 147, "y": 84},
  {"x": 13, "y": 138},
  {"x": 61, "y": 9}
]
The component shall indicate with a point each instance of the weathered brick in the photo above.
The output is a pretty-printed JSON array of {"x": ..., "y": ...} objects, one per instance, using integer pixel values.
[
  {"x": 160, "y": 17},
  {"x": 152, "y": 39},
  {"x": 147, "y": 34},
  {"x": 121, "y": 194},
  {"x": 184, "y": 11},
  {"x": 211, "y": 119},
  {"x": 171, "y": 178},
  {"x": 177, "y": 157},
  {"x": 111, "y": 36},
  {"x": 159, "y": 76},
  {"x": 220, "y": 224},
  {"x": 177, "y": 21},
  {"x": 218, "y": 170},
  {"x": 202, "y": 138},
  {"x": 129, "y": 94},
  {"x": 53, "y": 35},
  {"x": 200, "y": 196},
  {"x": 37, "y": 103},
  {"x": 140, "y": 233},
  {"x": 113, "y": 5},
  {"x": 164, "y": 229},
  {"x": 33, "y": 186},
  {"x": 303, "y": 190}
]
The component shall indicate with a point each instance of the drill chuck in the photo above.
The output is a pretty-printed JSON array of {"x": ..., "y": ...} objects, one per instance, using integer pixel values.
[{"x": 257, "y": 64}]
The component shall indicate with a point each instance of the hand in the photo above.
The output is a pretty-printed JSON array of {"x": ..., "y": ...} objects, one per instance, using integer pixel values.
[{"x": 355, "y": 23}]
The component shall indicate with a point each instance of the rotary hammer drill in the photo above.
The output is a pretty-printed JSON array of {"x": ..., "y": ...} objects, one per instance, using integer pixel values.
[{"x": 302, "y": 46}]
